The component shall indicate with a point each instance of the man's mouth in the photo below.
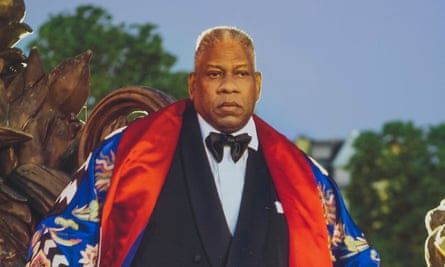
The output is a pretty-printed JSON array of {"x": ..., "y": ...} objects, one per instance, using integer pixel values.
[{"x": 229, "y": 106}]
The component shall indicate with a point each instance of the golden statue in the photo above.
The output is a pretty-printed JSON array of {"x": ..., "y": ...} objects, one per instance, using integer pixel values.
[{"x": 42, "y": 140}]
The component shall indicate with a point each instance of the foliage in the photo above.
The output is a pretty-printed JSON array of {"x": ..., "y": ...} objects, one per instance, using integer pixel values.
[
  {"x": 397, "y": 175},
  {"x": 122, "y": 55}
]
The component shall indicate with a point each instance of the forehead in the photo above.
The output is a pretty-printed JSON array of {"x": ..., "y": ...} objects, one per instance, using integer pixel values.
[{"x": 227, "y": 51}]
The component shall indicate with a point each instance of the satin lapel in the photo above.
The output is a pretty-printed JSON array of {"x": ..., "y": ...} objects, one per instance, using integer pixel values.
[
  {"x": 205, "y": 202},
  {"x": 249, "y": 238}
]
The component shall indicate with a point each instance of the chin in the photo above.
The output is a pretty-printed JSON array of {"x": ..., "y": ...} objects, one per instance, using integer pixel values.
[{"x": 230, "y": 127}]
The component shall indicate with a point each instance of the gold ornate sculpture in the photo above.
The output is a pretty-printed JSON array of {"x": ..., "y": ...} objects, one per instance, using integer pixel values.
[
  {"x": 435, "y": 242},
  {"x": 41, "y": 138}
]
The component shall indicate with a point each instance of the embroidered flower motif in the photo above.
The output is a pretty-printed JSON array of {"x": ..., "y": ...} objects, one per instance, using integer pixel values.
[
  {"x": 60, "y": 238},
  {"x": 89, "y": 256},
  {"x": 88, "y": 212},
  {"x": 327, "y": 198},
  {"x": 337, "y": 235},
  {"x": 65, "y": 223},
  {"x": 356, "y": 244},
  {"x": 35, "y": 241},
  {"x": 40, "y": 260},
  {"x": 104, "y": 167}
]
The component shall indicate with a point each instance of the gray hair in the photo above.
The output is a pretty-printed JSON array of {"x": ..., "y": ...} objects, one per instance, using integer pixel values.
[{"x": 210, "y": 36}]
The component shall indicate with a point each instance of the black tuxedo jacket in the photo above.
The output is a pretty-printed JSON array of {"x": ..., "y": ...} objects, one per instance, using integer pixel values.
[{"x": 188, "y": 227}]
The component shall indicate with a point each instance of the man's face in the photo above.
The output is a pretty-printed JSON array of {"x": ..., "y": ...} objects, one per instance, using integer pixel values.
[{"x": 225, "y": 87}]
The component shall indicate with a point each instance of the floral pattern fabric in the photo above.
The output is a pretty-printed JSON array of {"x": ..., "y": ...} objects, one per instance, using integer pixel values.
[
  {"x": 69, "y": 236},
  {"x": 349, "y": 247}
]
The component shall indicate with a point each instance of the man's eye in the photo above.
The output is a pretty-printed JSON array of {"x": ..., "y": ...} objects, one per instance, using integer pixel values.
[
  {"x": 214, "y": 74},
  {"x": 242, "y": 74}
]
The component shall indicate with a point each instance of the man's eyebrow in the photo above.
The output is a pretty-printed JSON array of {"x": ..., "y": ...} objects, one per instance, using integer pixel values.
[
  {"x": 214, "y": 66},
  {"x": 242, "y": 65}
]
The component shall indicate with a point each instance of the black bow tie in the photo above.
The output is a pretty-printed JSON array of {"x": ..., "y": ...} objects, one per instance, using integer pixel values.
[{"x": 215, "y": 143}]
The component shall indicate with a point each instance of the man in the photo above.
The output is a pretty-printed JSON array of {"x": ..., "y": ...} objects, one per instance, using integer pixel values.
[{"x": 203, "y": 182}]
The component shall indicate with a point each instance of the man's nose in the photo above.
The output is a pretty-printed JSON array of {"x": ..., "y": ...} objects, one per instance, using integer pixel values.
[{"x": 228, "y": 84}]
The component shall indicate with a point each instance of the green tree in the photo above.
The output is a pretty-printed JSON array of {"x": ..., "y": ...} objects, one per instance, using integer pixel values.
[
  {"x": 123, "y": 55},
  {"x": 397, "y": 175}
]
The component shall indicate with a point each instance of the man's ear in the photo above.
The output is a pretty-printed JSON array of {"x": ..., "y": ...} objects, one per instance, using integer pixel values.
[
  {"x": 258, "y": 79},
  {"x": 191, "y": 84}
]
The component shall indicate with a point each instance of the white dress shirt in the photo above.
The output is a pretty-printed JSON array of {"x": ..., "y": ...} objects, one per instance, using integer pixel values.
[{"x": 229, "y": 176}]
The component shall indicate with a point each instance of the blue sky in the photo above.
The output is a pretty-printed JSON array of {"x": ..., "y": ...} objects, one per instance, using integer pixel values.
[{"x": 329, "y": 67}]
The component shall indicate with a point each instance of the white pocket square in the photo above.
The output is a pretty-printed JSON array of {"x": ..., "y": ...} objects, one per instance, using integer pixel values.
[{"x": 279, "y": 207}]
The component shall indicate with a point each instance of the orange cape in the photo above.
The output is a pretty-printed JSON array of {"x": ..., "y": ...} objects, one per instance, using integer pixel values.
[{"x": 144, "y": 157}]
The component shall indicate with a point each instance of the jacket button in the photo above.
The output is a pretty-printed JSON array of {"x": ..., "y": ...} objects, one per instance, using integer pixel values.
[{"x": 197, "y": 259}]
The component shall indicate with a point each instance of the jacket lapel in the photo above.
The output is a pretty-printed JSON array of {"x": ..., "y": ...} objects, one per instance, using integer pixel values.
[{"x": 204, "y": 199}]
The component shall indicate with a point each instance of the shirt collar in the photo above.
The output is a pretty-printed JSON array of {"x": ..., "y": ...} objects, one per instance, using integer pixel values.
[{"x": 249, "y": 128}]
